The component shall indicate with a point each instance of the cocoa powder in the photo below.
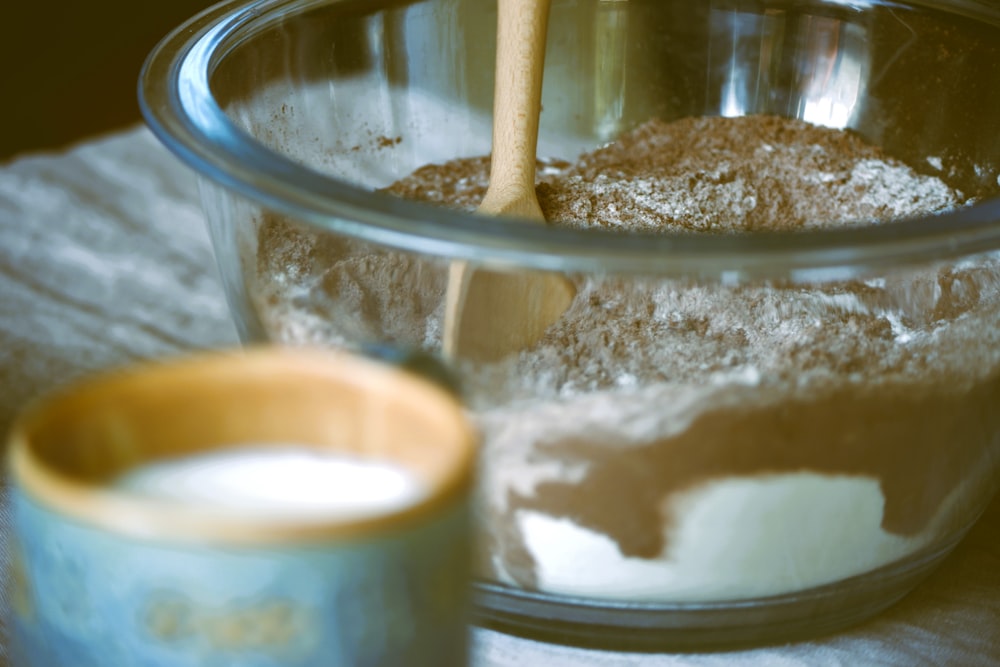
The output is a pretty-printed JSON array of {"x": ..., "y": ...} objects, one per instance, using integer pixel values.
[{"x": 752, "y": 173}]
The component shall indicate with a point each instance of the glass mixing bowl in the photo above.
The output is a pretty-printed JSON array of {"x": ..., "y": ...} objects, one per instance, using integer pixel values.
[{"x": 840, "y": 431}]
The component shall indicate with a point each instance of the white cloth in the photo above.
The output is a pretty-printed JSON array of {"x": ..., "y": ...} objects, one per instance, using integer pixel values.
[{"x": 104, "y": 260}]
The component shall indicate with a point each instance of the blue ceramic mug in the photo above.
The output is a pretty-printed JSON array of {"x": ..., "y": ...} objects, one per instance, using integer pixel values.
[{"x": 103, "y": 575}]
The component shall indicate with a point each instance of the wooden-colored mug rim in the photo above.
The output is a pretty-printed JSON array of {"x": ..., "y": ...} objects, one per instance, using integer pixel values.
[{"x": 64, "y": 449}]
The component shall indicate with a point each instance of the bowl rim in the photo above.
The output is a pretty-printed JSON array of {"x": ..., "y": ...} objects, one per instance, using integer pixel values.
[{"x": 177, "y": 104}]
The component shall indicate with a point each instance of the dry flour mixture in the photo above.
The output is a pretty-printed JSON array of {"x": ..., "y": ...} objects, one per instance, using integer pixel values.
[{"x": 673, "y": 440}]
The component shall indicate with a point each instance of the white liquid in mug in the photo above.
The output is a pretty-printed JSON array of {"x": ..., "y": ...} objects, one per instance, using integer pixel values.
[{"x": 276, "y": 482}]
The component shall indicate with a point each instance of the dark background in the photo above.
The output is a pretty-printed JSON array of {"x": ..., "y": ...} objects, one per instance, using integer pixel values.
[{"x": 68, "y": 68}]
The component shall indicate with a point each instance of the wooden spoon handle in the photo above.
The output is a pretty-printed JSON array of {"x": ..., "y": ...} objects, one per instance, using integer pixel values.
[{"x": 521, "y": 31}]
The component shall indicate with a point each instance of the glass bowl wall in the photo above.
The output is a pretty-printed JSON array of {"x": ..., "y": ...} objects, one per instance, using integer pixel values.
[{"x": 294, "y": 112}]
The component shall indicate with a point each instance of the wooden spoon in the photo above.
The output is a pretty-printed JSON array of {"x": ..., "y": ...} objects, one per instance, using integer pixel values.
[{"x": 490, "y": 314}]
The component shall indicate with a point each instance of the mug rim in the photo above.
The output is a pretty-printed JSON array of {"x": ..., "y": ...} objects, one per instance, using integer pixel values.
[{"x": 94, "y": 503}]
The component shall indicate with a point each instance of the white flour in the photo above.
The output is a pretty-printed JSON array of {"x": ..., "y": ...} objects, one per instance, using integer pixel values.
[{"x": 275, "y": 482}]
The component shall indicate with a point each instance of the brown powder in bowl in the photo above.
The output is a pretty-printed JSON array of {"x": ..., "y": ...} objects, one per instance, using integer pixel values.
[
  {"x": 650, "y": 395},
  {"x": 749, "y": 173}
]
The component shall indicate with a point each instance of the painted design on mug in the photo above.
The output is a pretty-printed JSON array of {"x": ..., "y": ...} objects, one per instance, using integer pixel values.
[{"x": 272, "y": 626}]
